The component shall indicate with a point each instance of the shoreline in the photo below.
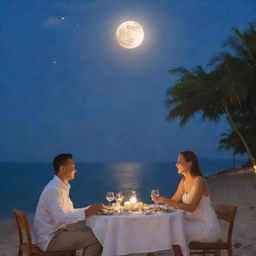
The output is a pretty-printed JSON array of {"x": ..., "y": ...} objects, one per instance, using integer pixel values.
[
  {"x": 232, "y": 171},
  {"x": 12, "y": 218}
]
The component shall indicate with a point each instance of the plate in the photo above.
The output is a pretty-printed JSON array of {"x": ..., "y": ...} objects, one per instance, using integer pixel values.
[{"x": 106, "y": 212}]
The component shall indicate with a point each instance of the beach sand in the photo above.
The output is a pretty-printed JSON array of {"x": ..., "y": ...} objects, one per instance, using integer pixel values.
[{"x": 236, "y": 187}]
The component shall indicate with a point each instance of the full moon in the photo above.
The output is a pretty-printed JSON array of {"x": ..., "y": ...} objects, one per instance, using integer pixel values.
[{"x": 130, "y": 34}]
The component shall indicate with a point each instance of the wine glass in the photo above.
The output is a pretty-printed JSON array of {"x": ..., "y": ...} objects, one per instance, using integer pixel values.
[
  {"x": 134, "y": 193},
  {"x": 155, "y": 193},
  {"x": 119, "y": 198},
  {"x": 110, "y": 197}
]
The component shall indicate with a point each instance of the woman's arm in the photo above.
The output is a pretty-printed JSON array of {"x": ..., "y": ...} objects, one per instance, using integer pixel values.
[
  {"x": 176, "y": 197},
  {"x": 179, "y": 192},
  {"x": 198, "y": 191}
]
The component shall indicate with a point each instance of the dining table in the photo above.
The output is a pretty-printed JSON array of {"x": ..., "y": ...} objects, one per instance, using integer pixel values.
[{"x": 137, "y": 232}]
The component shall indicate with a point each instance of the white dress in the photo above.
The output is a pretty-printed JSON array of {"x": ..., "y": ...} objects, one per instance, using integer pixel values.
[{"x": 201, "y": 225}]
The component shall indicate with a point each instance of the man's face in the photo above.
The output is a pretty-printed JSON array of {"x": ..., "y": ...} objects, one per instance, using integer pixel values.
[{"x": 69, "y": 170}]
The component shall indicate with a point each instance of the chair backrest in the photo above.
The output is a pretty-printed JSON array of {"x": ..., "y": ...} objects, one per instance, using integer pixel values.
[
  {"x": 228, "y": 214},
  {"x": 24, "y": 231}
]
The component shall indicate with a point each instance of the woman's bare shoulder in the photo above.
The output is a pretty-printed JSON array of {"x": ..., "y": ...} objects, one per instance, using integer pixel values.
[{"x": 200, "y": 180}]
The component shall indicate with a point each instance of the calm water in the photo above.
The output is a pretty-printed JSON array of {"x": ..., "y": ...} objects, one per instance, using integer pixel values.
[{"x": 22, "y": 183}]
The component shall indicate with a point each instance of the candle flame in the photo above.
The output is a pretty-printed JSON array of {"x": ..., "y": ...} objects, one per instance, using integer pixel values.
[{"x": 133, "y": 200}]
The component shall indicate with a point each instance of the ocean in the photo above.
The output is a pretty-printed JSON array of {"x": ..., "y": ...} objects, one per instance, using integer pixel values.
[{"x": 22, "y": 183}]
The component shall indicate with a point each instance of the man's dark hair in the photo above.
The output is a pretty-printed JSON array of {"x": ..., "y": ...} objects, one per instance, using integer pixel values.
[{"x": 60, "y": 160}]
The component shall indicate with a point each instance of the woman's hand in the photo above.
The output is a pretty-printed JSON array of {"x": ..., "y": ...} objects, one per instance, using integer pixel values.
[{"x": 158, "y": 199}]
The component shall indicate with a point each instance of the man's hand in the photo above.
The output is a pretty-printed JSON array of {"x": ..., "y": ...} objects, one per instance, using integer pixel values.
[{"x": 93, "y": 209}]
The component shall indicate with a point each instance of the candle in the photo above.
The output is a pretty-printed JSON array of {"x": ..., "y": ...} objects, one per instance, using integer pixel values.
[
  {"x": 133, "y": 201},
  {"x": 127, "y": 204}
]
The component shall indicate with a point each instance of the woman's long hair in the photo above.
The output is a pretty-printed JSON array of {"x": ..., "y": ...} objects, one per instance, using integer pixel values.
[{"x": 191, "y": 157}]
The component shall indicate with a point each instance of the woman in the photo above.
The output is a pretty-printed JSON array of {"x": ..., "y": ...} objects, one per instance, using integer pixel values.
[{"x": 201, "y": 223}]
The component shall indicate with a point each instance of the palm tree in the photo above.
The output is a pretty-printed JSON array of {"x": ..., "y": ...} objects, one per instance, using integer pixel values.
[
  {"x": 226, "y": 89},
  {"x": 239, "y": 69}
]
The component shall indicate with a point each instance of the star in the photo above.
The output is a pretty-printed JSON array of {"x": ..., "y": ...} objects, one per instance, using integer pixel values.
[{"x": 62, "y": 18}]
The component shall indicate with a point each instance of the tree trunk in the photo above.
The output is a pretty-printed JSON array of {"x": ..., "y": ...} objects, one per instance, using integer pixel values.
[{"x": 252, "y": 159}]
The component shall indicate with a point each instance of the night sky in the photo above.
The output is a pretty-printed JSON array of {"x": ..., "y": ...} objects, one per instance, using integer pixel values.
[{"x": 67, "y": 86}]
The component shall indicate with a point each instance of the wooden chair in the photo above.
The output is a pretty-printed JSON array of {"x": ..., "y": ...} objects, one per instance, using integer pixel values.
[
  {"x": 25, "y": 235},
  {"x": 226, "y": 213},
  {"x": 176, "y": 248}
]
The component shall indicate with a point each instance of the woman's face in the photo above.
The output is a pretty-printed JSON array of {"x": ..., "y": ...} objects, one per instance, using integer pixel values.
[{"x": 182, "y": 165}]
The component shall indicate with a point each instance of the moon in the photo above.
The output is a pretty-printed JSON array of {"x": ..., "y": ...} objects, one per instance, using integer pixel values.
[{"x": 130, "y": 34}]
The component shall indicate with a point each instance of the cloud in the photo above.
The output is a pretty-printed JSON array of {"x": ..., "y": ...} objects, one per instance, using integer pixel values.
[{"x": 52, "y": 21}]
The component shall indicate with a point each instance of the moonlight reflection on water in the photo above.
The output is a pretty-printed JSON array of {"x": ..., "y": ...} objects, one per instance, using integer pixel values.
[{"x": 127, "y": 177}]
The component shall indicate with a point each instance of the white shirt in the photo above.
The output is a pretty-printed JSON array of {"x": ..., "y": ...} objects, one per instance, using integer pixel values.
[{"x": 54, "y": 211}]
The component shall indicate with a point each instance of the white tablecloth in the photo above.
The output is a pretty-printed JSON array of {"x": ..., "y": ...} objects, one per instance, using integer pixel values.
[{"x": 120, "y": 235}]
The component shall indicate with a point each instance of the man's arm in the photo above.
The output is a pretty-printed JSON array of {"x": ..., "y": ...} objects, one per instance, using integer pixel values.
[
  {"x": 76, "y": 209},
  {"x": 94, "y": 208},
  {"x": 55, "y": 207}
]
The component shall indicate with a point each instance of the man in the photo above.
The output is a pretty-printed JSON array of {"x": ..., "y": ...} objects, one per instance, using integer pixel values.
[{"x": 55, "y": 214}]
